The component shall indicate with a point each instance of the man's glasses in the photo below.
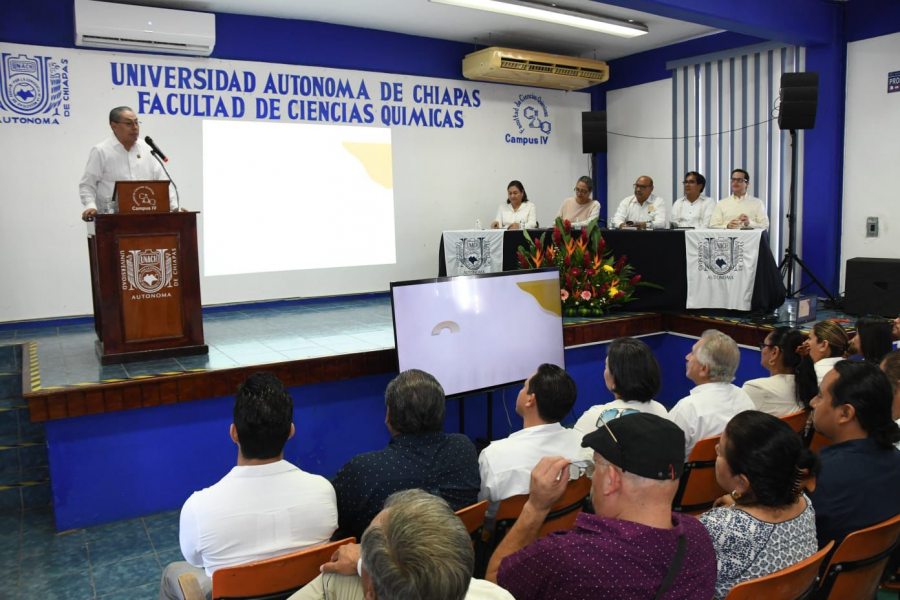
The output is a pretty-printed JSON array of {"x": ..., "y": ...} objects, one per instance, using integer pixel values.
[
  {"x": 687, "y": 181},
  {"x": 134, "y": 123},
  {"x": 640, "y": 186},
  {"x": 581, "y": 467},
  {"x": 613, "y": 413},
  {"x": 739, "y": 179}
]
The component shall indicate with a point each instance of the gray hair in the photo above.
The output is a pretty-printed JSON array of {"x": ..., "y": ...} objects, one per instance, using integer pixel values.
[
  {"x": 719, "y": 353},
  {"x": 115, "y": 113},
  {"x": 415, "y": 402},
  {"x": 419, "y": 550},
  {"x": 586, "y": 181}
]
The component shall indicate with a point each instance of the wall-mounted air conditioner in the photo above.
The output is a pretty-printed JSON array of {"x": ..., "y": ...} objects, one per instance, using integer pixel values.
[
  {"x": 522, "y": 67},
  {"x": 128, "y": 27}
]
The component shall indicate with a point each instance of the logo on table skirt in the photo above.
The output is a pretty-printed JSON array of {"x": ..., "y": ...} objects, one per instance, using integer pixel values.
[
  {"x": 721, "y": 255},
  {"x": 473, "y": 254},
  {"x": 34, "y": 86},
  {"x": 149, "y": 271}
]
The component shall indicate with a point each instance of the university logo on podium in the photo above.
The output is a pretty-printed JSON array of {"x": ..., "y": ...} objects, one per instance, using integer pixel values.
[
  {"x": 31, "y": 85},
  {"x": 150, "y": 271}
]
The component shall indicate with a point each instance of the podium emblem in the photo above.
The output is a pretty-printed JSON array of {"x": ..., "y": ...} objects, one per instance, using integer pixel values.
[{"x": 149, "y": 271}]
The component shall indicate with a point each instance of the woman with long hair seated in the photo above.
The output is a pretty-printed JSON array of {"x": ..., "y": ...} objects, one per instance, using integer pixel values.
[
  {"x": 778, "y": 394},
  {"x": 827, "y": 344},
  {"x": 766, "y": 523},
  {"x": 872, "y": 340},
  {"x": 632, "y": 375}
]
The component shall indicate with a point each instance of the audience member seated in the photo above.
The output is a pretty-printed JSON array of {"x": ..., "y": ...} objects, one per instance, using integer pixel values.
[
  {"x": 895, "y": 329},
  {"x": 740, "y": 210},
  {"x": 263, "y": 507},
  {"x": 643, "y": 209},
  {"x": 766, "y": 523},
  {"x": 633, "y": 547},
  {"x": 518, "y": 212},
  {"x": 580, "y": 209},
  {"x": 826, "y": 345},
  {"x": 860, "y": 481},
  {"x": 778, "y": 394},
  {"x": 545, "y": 398},
  {"x": 711, "y": 365},
  {"x": 414, "y": 548},
  {"x": 693, "y": 209},
  {"x": 891, "y": 367},
  {"x": 872, "y": 340},
  {"x": 632, "y": 375},
  {"x": 419, "y": 455}
]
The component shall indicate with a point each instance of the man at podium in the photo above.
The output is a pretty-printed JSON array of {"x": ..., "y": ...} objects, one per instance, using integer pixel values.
[{"x": 122, "y": 157}]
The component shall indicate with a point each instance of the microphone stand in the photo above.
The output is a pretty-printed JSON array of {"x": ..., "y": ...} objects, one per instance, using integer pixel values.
[{"x": 166, "y": 171}]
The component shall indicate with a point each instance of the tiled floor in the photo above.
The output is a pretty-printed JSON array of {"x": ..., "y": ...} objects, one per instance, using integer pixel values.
[{"x": 119, "y": 560}]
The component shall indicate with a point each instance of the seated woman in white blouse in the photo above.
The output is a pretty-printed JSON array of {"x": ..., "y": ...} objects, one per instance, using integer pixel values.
[
  {"x": 766, "y": 523},
  {"x": 777, "y": 394},
  {"x": 632, "y": 375},
  {"x": 827, "y": 344},
  {"x": 518, "y": 212}
]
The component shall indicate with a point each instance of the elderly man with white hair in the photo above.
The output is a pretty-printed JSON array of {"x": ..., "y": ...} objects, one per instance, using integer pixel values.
[{"x": 711, "y": 365}]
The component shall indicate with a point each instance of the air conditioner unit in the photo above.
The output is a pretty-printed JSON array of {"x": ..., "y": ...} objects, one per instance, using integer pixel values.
[
  {"x": 538, "y": 69},
  {"x": 129, "y": 27}
]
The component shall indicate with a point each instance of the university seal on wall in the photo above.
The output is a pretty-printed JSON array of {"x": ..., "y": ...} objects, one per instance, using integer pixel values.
[{"x": 31, "y": 85}]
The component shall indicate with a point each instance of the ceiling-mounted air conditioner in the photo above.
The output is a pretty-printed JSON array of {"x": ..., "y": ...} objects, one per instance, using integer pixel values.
[
  {"x": 522, "y": 67},
  {"x": 128, "y": 27}
]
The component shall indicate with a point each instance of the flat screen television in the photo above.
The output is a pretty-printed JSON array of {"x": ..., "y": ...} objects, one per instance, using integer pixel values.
[{"x": 477, "y": 332}]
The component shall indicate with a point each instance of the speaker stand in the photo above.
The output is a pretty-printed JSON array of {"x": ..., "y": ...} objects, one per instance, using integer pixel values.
[{"x": 791, "y": 259}]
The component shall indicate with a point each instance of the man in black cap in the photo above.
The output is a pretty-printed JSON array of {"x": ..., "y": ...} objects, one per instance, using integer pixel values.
[{"x": 634, "y": 546}]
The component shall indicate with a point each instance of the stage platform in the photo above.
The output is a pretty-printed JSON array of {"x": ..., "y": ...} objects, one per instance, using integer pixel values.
[{"x": 302, "y": 341}]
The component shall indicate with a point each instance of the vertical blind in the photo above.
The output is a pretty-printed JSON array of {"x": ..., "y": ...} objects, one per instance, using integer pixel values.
[{"x": 725, "y": 117}]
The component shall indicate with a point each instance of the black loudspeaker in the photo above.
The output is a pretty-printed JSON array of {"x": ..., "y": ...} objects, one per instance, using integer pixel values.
[
  {"x": 593, "y": 132},
  {"x": 799, "y": 98},
  {"x": 872, "y": 287}
]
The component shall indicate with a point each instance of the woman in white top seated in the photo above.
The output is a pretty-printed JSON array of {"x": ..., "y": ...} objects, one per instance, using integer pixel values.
[
  {"x": 518, "y": 212},
  {"x": 632, "y": 375},
  {"x": 777, "y": 394},
  {"x": 827, "y": 344}
]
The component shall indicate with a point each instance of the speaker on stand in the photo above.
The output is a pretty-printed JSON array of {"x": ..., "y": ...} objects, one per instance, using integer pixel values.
[
  {"x": 593, "y": 138},
  {"x": 798, "y": 101}
]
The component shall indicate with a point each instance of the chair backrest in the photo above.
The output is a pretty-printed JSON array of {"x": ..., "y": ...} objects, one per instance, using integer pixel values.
[
  {"x": 818, "y": 442},
  {"x": 561, "y": 516},
  {"x": 698, "y": 488},
  {"x": 855, "y": 568},
  {"x": 276, "y": 577},
  {"x": 473, "y": 516},
  {"x": 797, "y": 420},
  {"x": 791, "y": 583}
]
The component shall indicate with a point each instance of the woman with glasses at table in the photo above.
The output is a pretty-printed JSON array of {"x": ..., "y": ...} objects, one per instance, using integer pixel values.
[
  {"x": 767, "y": 522},
  {"x": 580, "y": 209},
  {"x": 632, "y": 375},
  {"x": 518, "y": 212},
  {"x": 778, "y": 394}
]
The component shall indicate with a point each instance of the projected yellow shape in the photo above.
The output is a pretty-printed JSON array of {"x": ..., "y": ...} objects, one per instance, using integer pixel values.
[
  {"x": 545, "y": 292},
  {"x": 375, "y": 159}
]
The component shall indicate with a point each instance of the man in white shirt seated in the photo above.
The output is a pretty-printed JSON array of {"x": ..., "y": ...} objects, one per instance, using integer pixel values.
[
  {"x": 414, "y": 548},
  {"x": 739, "y": 210},
  {"x": 643, "y": 209},
  {"x": 693, "y": 209},
  {"x": 263, "y": 507},
  {"x": 711, "y": 365},
  {"x": 545, "y": 398}
]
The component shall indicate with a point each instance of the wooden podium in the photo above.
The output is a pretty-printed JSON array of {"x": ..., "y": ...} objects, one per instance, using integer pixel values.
[{"x": 145, "y": 279}]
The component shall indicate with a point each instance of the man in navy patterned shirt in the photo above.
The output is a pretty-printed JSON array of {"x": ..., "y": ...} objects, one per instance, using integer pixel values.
[{"x": 419, "y": 455}]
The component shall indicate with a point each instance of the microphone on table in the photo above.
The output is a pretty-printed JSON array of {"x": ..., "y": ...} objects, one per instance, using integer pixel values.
[{"x": 155, "y": 148}]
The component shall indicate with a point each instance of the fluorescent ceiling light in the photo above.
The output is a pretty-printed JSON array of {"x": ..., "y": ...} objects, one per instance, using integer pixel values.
[{"x": 553, "y": 14}]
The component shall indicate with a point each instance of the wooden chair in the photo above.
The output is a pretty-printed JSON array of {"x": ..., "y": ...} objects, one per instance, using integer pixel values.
[
  {"x": 797, "y": 420},
  {"x": 855, "y": 568},
  {"x": 795, "y": 582},
  {"x": 473, "y": 516},
  {"x": 818, "y": 442},
  {"x": 698, "y": 488},
  {"x": 561, "y": 516},
  {"x": 273, "y": 578}
]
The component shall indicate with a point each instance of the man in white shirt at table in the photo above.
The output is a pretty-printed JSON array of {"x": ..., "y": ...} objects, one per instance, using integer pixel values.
[
  {"x": 693, "y": 209},
  {"x": 711, "y": 365},
  {"x": 544, "y": 400},
  {"x": 643, "y": 209},
  {"x": 739, "y": 210}
]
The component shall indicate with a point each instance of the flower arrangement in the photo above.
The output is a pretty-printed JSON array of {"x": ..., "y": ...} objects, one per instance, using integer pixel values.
[{"x": 591, "y": 279}]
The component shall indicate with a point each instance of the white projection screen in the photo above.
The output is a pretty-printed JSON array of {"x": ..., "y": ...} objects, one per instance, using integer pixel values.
[
  {"x": 274, "y": 194},
  {"x": 477, "y": 332}
]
